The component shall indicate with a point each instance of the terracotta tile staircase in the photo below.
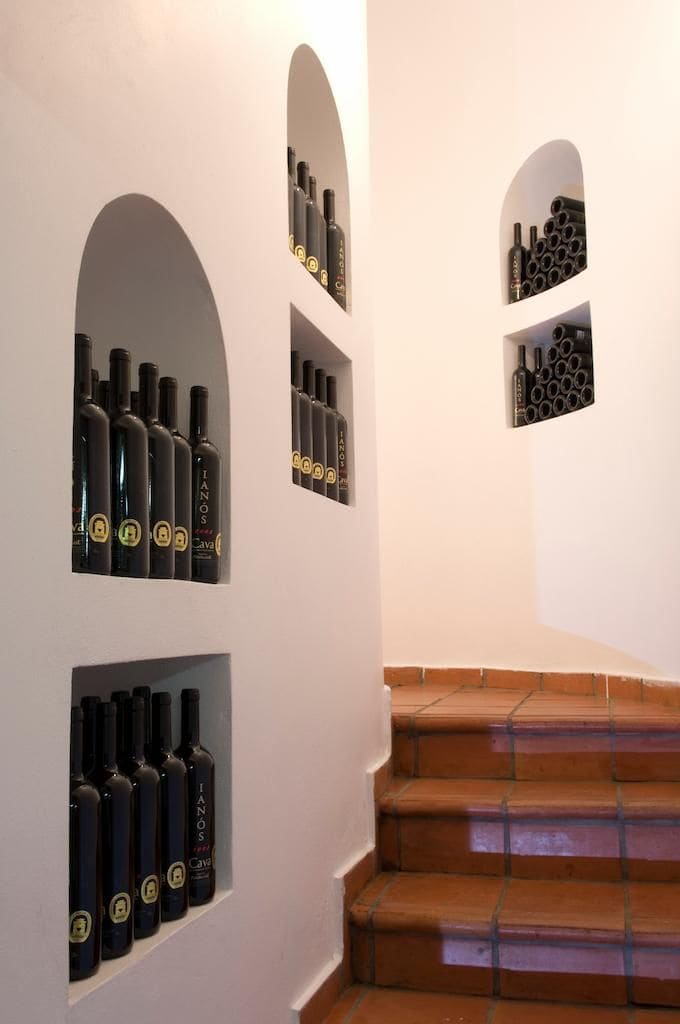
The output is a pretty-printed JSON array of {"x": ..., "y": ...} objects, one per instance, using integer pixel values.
[{"x": 530, "y": 851}]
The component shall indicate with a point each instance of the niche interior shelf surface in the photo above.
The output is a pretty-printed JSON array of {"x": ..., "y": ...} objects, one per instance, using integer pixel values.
[
  {"x": 320, "y": 309},
  {"x": 550, "y": 306}
]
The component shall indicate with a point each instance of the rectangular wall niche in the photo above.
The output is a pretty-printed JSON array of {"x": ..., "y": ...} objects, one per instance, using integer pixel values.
[{"x": 211, "y": 674}]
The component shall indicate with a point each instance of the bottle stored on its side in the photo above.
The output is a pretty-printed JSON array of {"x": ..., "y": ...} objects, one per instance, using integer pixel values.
[
  {"x": 161, "y": 478},
  {"x": 296, "y": 457},
  {"x": 129, "y": 475},
  {"x": 299, "y": 212},
  {"x": 206, "y": 489},
  {"x": 343, "y": 450},
  {"x": 332, "y": 484},
  {"x": 318, "y": 430},
  {"x": 169, "y": 418},
  {"x": 311, "y": 222},
  {"x": 145, "y": 693},
  {"x": 115, "y": 791},
  {"x": 91, "y": 502},
  {"x": 200, "y": 767},
  {"x": 89, "y": 706},
  {"x": 174, "y": 835},
  {"x": 336, "y": 251},
  {"x": 85, "y": 863},
  {"x": 560, "y": 203},
  {"x": 520, "y": 389},
  {"x": 291, "y": 199},
  {"x": 321, "y": 228},
  {"x": 146, "y": 785},
  {"x": 305, "y": 420},
  {"x": 517, "y": 257}
]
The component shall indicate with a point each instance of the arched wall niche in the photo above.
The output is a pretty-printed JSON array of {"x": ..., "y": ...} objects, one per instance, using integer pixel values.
[
  {"x": 142, "y": 287},
  {"x": 553, "y": 169},
  {"x": 315, "y": 133}
]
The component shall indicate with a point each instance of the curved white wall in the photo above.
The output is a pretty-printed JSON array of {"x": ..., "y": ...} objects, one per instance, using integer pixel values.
[{"x": 539, "y": 548}]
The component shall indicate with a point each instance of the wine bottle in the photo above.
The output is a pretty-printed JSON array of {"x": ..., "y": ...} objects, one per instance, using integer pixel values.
[
  {"x": 299, "y": 213},
  {"x": 560, "y": 203},
  {"x": 560, "y": 368},
  {"x": 530, "y": 414},
  {"x": 567, "y": 270},
  {"x": 94, "y": 380},
  {"x": 305, "y": 416},
  {"x": 587, "y": 395},
  {"x": 312, "y": 223},
  {"x": 553, "y": 389},
  {"x": 553, "y": 354},
  {"x": 332, "y": 483},
  {"x": 581, "y": 379},
  {"x": 103, "y": 395},
  {"x": 573, "y": 231},
  {"x": 576, "y": 246},
  {"x": 146, "y": 785},
  {"x": 544, "y": 375},
  {"x": 129, "y": 475},
  {"x": 547, "y": 260},
  {"x": 517, "y": 257},
  {"x": 561, "y": 254},
  {"x": 580, "y": 361},
  {"x": 539, "y": 283},
  {"x": 291, "y": 199},
  {"x": 206, "y": 477},
  {"x": 343, "y": 451},
  {"x": 527, "y": 289},
  {"x": 174, "y": 834},
  {"x": 554, "y": 277},
  {"x": 321, "y": 228},
  {"x": 573, "y": 400},
  {"x": 318, "y": 430},
  {"x": 540, "y": 247},
  {"x": 336, "y": 254},
  {"x": 533, "y": 237},
  {"x": 580, "y": 262},
  {"x": 538, "y": 362},
  {"x": 200, "y": 767},
  {"x": 559, "y": 405},
  {"x": 568, "y": 330},
  {"x": 134, "y": 403},
  {"x": 533, "y": 267},
  {"x": 169, "y": 418},
  {"x": 537, "y": 394},
  {"x": 161, "y": 478},
  {"x": 89, "y": 706},
  {"x": 85, "y": 863},
  {"x": 520, "y": 389},
  {"x": 118, "y": 697},
  {"x": 549, "y": 227},
  {"x": 566, "y": 384},
  {"x": 554, "y": 240},
  {"x": 296, "y": 458},
  {"x": 115, "y": 791},
  {"x": 145, "y": 693},
  {"x": 569, "y": 346},
  {"x": 545, "y": 410},
  {"x": 91, "y": 491},
  {"x": 565, "y": 217}
]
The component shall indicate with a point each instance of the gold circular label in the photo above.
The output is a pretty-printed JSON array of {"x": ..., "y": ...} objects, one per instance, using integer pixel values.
[
  {"x": 149, "y": 889},
  {"x": 130, "y": 533},
  {"x": 79, "y": 926},
  {"x": 317, "y": 471},
  {"x": 324, "y": 278},
  {"x": 119, "y": 907},
  {"x": 300, "y": 253},
  {"x": 176, "y": 875},
  {"x": 162, "y": 533},
  {"x": 312, "y": 264},
  {"x": 98, "y": 528},
  {"x": 181, "y": 538},
  {"x": 306, "y": 464},
  {"x": 296, "y": 460},
  {"x": 331, "y": 475},
  {"x": 218, "y": 544}
]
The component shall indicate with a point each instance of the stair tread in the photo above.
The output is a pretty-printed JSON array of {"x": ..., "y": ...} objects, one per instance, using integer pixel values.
[
  {"x": 363, "y": 1004},
  {"x": 517, "y": 909}
]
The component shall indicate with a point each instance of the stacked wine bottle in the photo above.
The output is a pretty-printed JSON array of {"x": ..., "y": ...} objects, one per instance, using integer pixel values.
[
  {"x": 146, "y": 501},
  {"x": 557, "y": 255},
  {"x": 141, "y": 822},
  {"x": 319, "y": 441},
  {"x": 562, "y": 379},
  {"x": 315, "y": 237}
]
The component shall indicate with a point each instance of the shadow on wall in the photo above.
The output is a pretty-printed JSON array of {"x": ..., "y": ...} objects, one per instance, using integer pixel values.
[{"x": 142, "y": 287}]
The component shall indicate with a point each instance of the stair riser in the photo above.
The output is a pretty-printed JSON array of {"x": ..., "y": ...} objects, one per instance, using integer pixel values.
[
  {"x": 625, "y": 757},
  {"x": 598, "y": 851},
  {"x": 516, "y": 970}
]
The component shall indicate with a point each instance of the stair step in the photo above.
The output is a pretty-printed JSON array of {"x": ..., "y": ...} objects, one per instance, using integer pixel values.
[
  {"x": 514, "y": 734},
  {"x": 593, "y": 942},
  {"x": 596, "y": 831},
  {"x": 363, "y": 1004}
]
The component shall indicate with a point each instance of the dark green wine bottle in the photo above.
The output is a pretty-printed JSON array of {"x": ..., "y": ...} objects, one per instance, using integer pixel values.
[
  {"x": 85, "y": 863},
  {"x": 206, "y": 485}
]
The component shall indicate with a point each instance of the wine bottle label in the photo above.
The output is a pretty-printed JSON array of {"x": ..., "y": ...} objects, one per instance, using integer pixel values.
[
  {"x": 312, "y": 264},
  {"x": 218, "y": 544},
  {"x": 119, "y": 907},
  {"x": 331, "y": 475},
  {"x": 297, "y": 461},
  {"x": 149, "y": 889},
  {"x": 162, "y": 533},
  {"x": 317, "y": 471},
  {"x": 300, "y": 253},
  {"x": 176, "y": 875},
  {"x": 181, "y": 538},
  {"x": 98, "y": 528},
  {"x": 79, "y": 926},
  {"x": 306, "y": 465},
  {"x": 340, "y": 275},
  {"x": 291, "y": 242},
  {"x": 324, "y": 278},
  {"x": 201, "y": 862},
  {"x": 130, "y": 533}
]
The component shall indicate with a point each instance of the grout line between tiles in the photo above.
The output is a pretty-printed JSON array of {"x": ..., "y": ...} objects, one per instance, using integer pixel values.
[
  {"x": 612, "y": 742},
  {"x": 495, "y": 942},
  {"x": 491, "y": 1012},
  {"x": 507, "y": 852},
  {"x": 357, "y": 1003},
  {"x": 511, "y": 734}
]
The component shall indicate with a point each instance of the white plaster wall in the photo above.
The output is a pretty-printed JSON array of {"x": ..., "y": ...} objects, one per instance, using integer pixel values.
[
  {"x": 186, "y": 104},
  {"x": 556, "y": 546}
]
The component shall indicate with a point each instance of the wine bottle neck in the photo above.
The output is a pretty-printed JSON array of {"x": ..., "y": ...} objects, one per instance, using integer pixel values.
[
  {"x": 332, "y": 392},
  {"x": 320, "y": 386},
  {"x": 137, "y": 732},
  {"x": 522, "y": 357},
  {"x": 291, "y": 162},
  {"x": 329, "y": 205},
  {"x": 295, "y": 370},
  {"x": 199, "y": 413},
  {"x": 76, "y": 744},
  {"x": 119, "y": 381},
  {"x": 303, "y": 176},
  {"x": 191, "y": 733},
  {"x": 312, "y": 188},
  {"x": 83, "y": 368},
  {"x": 308, "y": 378},
  {"x": 161, "y": 714},
  {"x": 167, "y": 409},
  {"x": 106, "y": 737},
  {"x": 517, "y": 228},
  {"x": 148, "y": 391}
]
